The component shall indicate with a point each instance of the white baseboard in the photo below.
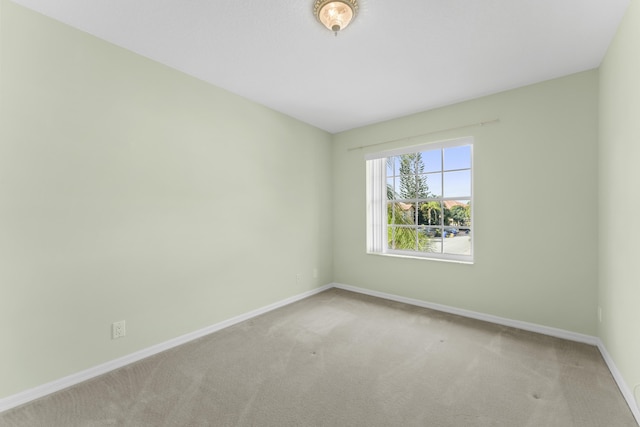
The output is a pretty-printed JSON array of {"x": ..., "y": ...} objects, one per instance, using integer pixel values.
[
  {"x": 532, "y": 327},
  {"x": 68, "y": 381},
  {"x": 622, "y": 385}
]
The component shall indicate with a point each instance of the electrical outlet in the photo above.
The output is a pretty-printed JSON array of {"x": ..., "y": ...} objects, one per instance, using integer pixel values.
[
  {"x": 298, "y": 278},
  {"x": 315, "y": 273},
  {"x": 600, "y": 314},
  {"x": 118, "y": 330}
]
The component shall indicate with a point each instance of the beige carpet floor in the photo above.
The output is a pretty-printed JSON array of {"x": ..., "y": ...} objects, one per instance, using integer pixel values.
[{"x": 344, "y": 359}]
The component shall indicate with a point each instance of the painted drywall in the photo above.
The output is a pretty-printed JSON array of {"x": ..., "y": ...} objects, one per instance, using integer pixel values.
[
  {"x": 535, "y": 191},
  {"x": 619, "y": 151},
  {"x": 130, "y": 191}
]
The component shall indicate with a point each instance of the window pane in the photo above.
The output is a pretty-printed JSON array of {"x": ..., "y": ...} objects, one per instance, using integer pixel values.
[
  {"x": 430, "y": 213},
  {"x": 411, "y": 182},
  {"x": 433, "y": 240},
  {"x": 457, "y": 213},
  {"x": 434, "y": 183},
  {"x": 457, "y": 184},
  {"x": 390, "y": 169},
  {"x": 401, "y": 213},
  {"x": 423, "y": 239},
  {"x": 432, "y": 160},
  {"x": 391, "y": 191},
  {"x": 457, "y": 157},
  {"x": 396, "y": 165},
  {"x": 456, "y": 242},
  {"x": 402, "y": 238}
]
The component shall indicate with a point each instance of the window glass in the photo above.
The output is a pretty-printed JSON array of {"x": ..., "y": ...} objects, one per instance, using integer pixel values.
[
  {"x": 432, "y": 160},
  {"x": 422, "y": 202},
  {"x": 457, "y": 184},
  {"x": 457, "y": 158}
]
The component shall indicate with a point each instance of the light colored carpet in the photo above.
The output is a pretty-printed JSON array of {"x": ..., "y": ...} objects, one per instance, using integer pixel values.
[{"x": 344, "y": 359}]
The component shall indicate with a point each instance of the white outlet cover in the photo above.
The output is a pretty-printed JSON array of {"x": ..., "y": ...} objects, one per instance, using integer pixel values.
[{"x": 118, "y": 329}]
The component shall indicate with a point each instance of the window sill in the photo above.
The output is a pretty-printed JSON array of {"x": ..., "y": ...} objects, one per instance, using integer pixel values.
[{"x": 421, "y": 258}]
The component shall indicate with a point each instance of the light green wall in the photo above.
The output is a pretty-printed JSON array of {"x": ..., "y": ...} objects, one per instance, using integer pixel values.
[
  {"x": 535, "y": 190},
  {"x": 619, "y": 157},
  {"x": 131, "y": 191}
]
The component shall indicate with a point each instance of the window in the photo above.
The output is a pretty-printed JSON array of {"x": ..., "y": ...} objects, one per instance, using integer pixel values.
[{"x": 419, "y": 201}]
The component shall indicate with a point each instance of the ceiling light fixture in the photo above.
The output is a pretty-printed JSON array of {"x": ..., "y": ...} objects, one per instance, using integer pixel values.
[{"x": 335, "y": 14}]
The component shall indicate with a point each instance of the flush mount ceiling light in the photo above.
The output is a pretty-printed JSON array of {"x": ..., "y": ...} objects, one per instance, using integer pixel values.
[{"x": 335, "y": 14}]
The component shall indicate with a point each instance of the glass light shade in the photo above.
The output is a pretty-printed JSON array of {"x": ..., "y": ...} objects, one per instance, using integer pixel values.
[{"x": 336, "y": 15}]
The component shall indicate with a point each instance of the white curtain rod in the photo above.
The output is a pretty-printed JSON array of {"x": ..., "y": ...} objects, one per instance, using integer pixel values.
[{"x": 408, "y": 138}]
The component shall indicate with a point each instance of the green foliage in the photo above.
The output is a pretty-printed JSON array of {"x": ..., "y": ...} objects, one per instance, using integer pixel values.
[
  {"x": 461, "y": 215},
  {"x": 404, "y": 238},
  {"x": 413, "y": 184},
  {"x": 402, "y": 231},
  {"x": 408, "y": 239},
  {"x": 430, "y": 212},
  {"x": 390, "y": 193}
]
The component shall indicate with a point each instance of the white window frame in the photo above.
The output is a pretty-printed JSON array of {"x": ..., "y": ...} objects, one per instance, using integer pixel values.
[{"x": 376, "y": 195}]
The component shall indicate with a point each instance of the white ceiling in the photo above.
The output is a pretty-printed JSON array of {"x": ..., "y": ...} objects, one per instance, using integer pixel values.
[{"x": 398, "y": 57}]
